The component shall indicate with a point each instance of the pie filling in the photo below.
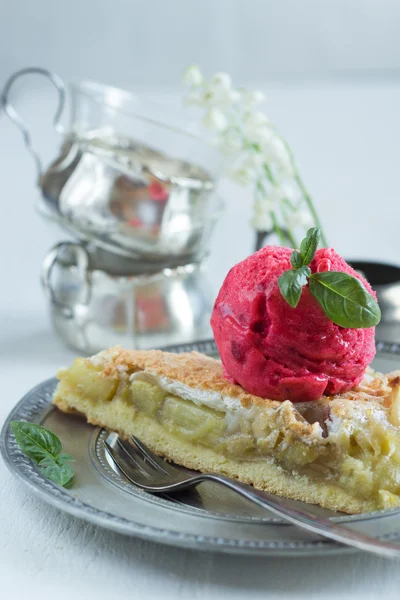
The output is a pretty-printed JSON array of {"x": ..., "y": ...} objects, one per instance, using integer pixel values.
[{"x": 351, "y": 444}]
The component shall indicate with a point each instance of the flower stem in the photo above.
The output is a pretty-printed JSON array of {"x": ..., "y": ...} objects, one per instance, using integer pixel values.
[
  {"x": 277, "y": 228},
  {"x": 311, "y": 206},
  {"x": 304, "y": 191},
  {"x": 288, "y": 233}
]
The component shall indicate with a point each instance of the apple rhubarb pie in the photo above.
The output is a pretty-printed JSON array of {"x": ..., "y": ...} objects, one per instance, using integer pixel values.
[{"x": 341, "y": 451}]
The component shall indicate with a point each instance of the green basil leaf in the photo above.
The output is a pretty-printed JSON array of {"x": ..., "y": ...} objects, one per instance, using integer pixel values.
[
  {"x": 296, "y": 260},
  {"x": 48, "y": 461},
  {"x": 61, "y": 474},
  {"x": 35, "y": 441},
  {"x": 291, "y": 284},
  {"x": 44, "y": 447},
  {"x": 64, "y": 458},
  {"x": 344, "y": 299},
  {"x": 309, "y": 245},
  {"x": 66, "y": 475},
  {"x": 290, "y": 288},
  {"x": 304, "y": 272}
]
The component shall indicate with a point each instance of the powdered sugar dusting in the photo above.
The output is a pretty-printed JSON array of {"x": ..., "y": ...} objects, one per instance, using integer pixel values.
[
  {"x": 100, "y": 359},
  {"x": 97, "y": 360}
]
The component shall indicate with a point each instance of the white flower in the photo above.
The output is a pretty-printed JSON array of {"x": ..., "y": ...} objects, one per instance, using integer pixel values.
[
  {"x": 301, "y": 217},
  {"x": 249, "y": 170},
  {"x": 231, "y": 141},
  {"x": 256, "y": 127},
  {"x": 255, "y": 160},
  {"x": 289, "y": 190},
  {"x": 221, "y": 80},
  {"x": 280, "y": 149},
  {"x": 218, "y": 96},
  {"x": 281, "y": 158},
  {"x": 255, "y": 119},
  {"x": 261, "y": 136},
  {"x": 266, "y": 204},
  {"x": 261, "y": 220},
  {"x": 269, "y": 143},
  {"x": 270, "y": 200},
  {"x": 218, "y": 91},
  {"x": 245, "y": 174},
  {"x": 192, "y": 76},
  {"x": 215, "y": 119},
  {"x": 235, "y": 96},
  {"x": 306, "y": 219},
  {"x": 252, "y": 98},
  {"x": 261, "y": 158},
  {"x": 276, "y": 154},
  {"x": 194, "y": 99}
]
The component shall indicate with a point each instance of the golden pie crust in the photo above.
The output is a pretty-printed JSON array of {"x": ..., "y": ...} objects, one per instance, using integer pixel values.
[{"x": 341, "y": 452}]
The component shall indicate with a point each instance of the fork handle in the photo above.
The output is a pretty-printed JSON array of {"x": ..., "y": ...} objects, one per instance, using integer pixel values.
[{"x": 306, "y": 520}]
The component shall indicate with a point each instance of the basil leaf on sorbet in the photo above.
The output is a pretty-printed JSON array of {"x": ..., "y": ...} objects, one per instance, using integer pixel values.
[
  {"x": 291, "y": 284},
  {"x": 309, "y": 245},
  {"x": 344, "y": 299},
  {"x": 295, "y": 260}
]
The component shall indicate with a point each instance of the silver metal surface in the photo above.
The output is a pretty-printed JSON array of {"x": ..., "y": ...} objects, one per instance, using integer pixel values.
[
  {"x": 19, "y": 122},
  {"x": 80, "y": 261},
  {"x": 91, "y": 309},
  {"x": 132, "y": 185},
  {"x": 130, "y": 198},
  {"x": 151, "y": 473},
  {"x": 208, "y": 518}
]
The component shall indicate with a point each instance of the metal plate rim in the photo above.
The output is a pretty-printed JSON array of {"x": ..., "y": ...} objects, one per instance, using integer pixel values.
[{"x": 24, "y": 470}]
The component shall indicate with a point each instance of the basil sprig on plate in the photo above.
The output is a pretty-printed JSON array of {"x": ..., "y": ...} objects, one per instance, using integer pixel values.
[
  {"x": 44, "y": 447},
  {"x": 343, "y": 298}
]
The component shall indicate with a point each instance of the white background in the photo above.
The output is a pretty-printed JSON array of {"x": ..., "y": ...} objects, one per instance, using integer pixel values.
[
  {"x": 330, "y": 71},
  {"x": 145, "y": 42}
]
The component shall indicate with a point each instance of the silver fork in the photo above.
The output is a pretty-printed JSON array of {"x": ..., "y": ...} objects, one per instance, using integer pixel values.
[{"x": 151, "y": 473}]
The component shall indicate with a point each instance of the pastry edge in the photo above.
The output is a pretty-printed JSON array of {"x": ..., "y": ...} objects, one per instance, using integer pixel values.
[{"x": 263, "y": 474}]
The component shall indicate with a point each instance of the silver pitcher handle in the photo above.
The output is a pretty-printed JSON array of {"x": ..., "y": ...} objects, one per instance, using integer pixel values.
[
  {"x": 15, "y": 118},
  {"x": 50, "y": 261}
]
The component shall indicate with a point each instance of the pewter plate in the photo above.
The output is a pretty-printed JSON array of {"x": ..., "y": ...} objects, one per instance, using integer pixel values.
[{"x": 208, "y": 518}]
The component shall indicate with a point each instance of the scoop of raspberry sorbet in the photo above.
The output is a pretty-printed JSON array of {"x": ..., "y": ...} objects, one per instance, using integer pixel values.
[{"x": 284, "y": 353}]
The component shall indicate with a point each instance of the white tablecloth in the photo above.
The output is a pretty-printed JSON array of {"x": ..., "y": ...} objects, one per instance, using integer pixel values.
[{"x": 346, "y": 139}]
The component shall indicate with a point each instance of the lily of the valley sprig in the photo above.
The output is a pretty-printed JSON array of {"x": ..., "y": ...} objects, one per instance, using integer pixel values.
[{"x": 261, "y": 158}]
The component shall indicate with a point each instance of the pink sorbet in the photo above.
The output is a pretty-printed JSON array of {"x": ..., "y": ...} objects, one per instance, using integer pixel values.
[{"x": 284, "y": 353}]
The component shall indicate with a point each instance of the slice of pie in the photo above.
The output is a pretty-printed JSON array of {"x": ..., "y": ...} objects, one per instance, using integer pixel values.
[{"x": 342, "y": 452}]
